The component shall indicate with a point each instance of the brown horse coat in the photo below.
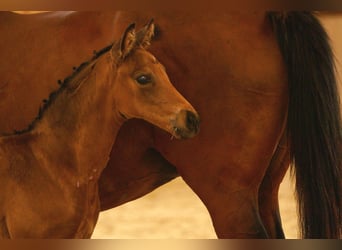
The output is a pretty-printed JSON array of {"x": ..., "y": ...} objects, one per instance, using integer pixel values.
[
  {"x": 230, "y": 67},
  {"x": 49, "y": 171}
]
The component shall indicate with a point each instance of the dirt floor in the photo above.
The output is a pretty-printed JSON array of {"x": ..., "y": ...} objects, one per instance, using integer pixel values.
[{"x": 174, "y": 211}]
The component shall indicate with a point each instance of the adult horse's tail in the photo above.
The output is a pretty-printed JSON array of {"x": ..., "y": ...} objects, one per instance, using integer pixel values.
[{"x": 314, "y": 121}]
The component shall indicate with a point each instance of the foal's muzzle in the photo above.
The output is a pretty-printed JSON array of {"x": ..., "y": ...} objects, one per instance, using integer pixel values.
[{"x": 186, "y": 124}]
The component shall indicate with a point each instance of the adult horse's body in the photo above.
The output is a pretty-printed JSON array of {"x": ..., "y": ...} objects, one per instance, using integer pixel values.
[{"x": 230, "y": 67}]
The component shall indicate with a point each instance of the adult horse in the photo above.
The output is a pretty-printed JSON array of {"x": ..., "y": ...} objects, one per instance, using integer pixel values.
[{"x": 263, "y": 84}]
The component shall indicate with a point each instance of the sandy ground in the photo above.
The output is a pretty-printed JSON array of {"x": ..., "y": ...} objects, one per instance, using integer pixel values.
[{"x": 174, "y": 211}]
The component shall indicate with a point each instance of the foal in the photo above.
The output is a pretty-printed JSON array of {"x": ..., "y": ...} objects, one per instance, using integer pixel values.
[{"x": 49, "y": 172}]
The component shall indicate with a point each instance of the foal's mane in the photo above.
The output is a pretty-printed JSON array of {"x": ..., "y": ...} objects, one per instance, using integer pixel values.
[
  {"x": 87, "y": 65},
  {"x": 76, "y": 78}
]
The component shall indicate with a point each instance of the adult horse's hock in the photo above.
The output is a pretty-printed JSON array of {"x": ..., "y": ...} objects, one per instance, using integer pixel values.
[
  {"x": 49, "y": 171},
  {"x": 263, "y": 83}
]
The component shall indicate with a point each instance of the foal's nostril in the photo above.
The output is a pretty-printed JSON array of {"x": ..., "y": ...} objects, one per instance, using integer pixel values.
[{"x": 192, "y": 121}]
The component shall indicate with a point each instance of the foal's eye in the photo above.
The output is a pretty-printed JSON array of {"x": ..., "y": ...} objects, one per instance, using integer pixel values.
[{"x": 143, "y": 79}]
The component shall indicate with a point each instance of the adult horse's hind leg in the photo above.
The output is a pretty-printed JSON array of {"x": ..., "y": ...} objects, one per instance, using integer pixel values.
[
  {"x": 228, "y": 188},
  {"x": 241, "y": 219},
  {"x": 268, "y": 192},
  {"x": 4, "y": 234}
]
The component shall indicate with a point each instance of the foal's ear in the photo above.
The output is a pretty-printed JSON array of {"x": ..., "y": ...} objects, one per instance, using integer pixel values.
[
  {"x": 127, "y": 41},
  {"x": 145, "y": 34}
]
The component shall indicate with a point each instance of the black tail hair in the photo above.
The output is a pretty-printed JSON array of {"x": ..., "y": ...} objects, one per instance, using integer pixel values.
[{"x": 314, "y": 121}]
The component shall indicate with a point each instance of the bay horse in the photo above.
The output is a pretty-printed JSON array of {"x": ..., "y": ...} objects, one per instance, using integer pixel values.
[
  {"x": 49, "y": 171},
  {"x": 263, "y": 82}
]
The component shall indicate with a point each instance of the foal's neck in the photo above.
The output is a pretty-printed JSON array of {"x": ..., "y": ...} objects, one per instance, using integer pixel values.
[{"x": 80, "y": 125}]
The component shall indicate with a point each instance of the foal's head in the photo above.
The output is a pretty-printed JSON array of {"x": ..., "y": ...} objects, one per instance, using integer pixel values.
[{"x": 143, "y": 89}]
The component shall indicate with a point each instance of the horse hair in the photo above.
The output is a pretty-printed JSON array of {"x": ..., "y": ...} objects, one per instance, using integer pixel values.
[
  {"x": 63, "y": 85},
  {"x": 314, "y": 121}
]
